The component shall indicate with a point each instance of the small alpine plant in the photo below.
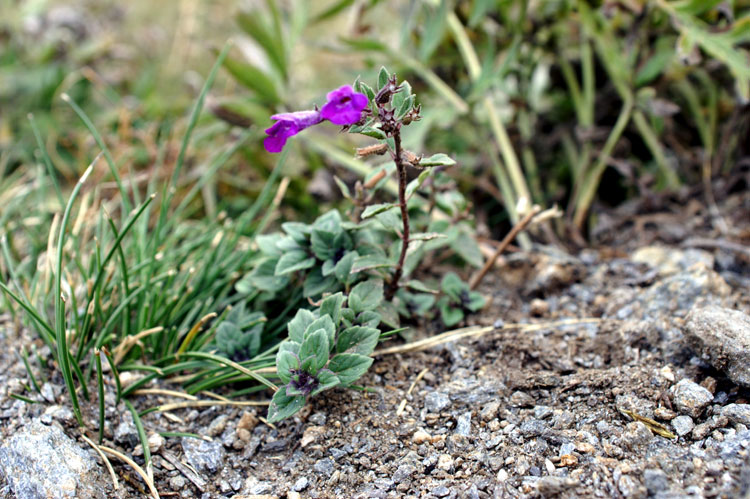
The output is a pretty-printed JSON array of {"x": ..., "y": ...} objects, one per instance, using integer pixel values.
[{"x": 356, "y": 272}]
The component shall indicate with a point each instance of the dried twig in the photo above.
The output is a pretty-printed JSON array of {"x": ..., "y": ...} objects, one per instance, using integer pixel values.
[
  {"x": 111, "y": 470},
  {"x": 122, "y": 457},
  {"x": 504, "y": 244}
]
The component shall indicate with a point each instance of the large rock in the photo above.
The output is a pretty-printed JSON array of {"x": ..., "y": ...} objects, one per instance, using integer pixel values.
[
  {"x": 721, "y": 336},
  {"x": 41, "y": 461}
]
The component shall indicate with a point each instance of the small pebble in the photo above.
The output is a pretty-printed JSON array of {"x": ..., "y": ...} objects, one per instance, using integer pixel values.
[{"x": 683, "y": 425}]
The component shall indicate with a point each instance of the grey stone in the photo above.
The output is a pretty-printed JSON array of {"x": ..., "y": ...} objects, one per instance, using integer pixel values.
[
  {"x": 552, "y": 486},
  {"x": 217, "y": 425},
  {"x": 203, "y": 455},
  {"x": 403, "y": 472},
  {"x": 324, "y": 466},
  {"x": 542, "y": 411},
  {"x": 655, "y": 481},
  {"x": 533, "y": 427},
  {"x": 691, "y": 398},
  {"x": 436, "y": 401},
  {"x": 463, "y": 426},
  {"x": 441, "y": 491},
  {"x": 683, "y": 425},
  {"x": 521, "y": 399},
  {"x": 301, "y": 484},
  {"x": 126, "y": 432},
  {"x": 737, "y": 413},
  {"x": 721, "y": 336},
  {"x": 42, "y": 462},
  {"x": 318, "y": 419},
  {"x": 636, "y": 434}
]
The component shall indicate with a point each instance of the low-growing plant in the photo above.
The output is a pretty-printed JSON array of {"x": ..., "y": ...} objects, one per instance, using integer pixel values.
[{"x": 366, "y": 262}]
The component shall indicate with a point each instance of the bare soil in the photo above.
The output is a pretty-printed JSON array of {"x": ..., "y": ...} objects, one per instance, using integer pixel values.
[{"x": 518, "y": 411}]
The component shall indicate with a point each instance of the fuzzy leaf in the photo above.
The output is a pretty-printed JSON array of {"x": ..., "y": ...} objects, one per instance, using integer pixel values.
[
  {"x": 420, "y": 286},
  {"x": 264, "y": 277},
  {"x": 294, "y": 261},
  {"x": 368, "y": 318},
  {"x": 450, "y": 315},
  {"x": 299, "y": 324},
  {"x": 317, "y": 284},
  {"x": 383, "y": 76},
  {"x": 267, "y": 244},
  {"x": 331, "y": 307},
  {"x": 438, "y": 159},
  {"x": 349, "y": 367},
  {"x": 476, "y": 301},
  {"x": 316, "y": 345},
  {"x": 325, "y": 323},
  {"x": 369, "y": 262},
  {"x": 415, "y": 184},
  {"x": 361, "y": 340},
  {"x": 283, "y": 406},
  {"x": 344, "y": 267},
  {"x": 375, "y": 209},
  {"x": 285, "y": 361},
  {"x": 327, "y": 380},
  {"x": 366, "y": 295},
  {"x": 453, "y": 286}
]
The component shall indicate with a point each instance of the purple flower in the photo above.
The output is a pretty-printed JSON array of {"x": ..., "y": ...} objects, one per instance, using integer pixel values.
[
  {"x": 344, "y": 106},
  {"x": 287, "y": 125}
]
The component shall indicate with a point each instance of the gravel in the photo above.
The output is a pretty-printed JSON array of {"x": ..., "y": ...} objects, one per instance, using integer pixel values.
[{"x": 683, "y": 425}]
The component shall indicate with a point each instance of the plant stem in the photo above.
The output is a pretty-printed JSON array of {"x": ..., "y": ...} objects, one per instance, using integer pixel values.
[{"x": 401, "y": 168}]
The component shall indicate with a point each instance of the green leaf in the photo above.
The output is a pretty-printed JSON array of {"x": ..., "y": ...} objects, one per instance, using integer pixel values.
[
  {"x": 343, "y": 269},
  {"x": 466, "y": 246},
  {"x": 290, "y": 346},
  {"x": 366, "y": 295},
  {"x": 404, "y": 108},
  {"x": 368, "y": 318},
  {"x": 267, "y": 244},
  {"x": 476, "y": 301},
  {"x": 326, "y": 324},
  {"x": 264, "y": 276},
  {"x": 331, "y": 307},
  {"x": 285, "y": 361},
  {"x": 420, "y": 286},
  {"x": 316, "y": 345},
  {"x": 438, "y": 159},
  {"x": 294, "y": 261},
  {"x": 389, "y": 314},
  {"x": 426, "y": 236},
  {"x": 327, "y": 380},
  {"x": 254, "y": 25},
  {"x": 450, "y": 315},
  {"x": 415, "y": 184},
  {"x": 298, "y": 231},
  {"x": 383, "y": 76},
  {"x": 299, "y": 324},
  {"x": 375, "y": 209},
  {"x": 349, "y": 367},
  {"x": 369, "y": 262},
  {"x": 366, "y": 89},
  {"x": 253, "y": 78},
  {"x": 453, "y": 286},
  {"x": 316, "y": 284},
  {"x": 343, "y": 188},
  {"x": 361, "y": 340},
  {"x": 399, "y": 98},
  {"x": 283, "y": 406}
]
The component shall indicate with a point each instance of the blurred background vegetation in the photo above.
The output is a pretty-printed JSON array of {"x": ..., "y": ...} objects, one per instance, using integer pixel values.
[{"x": 559, "y": 101}]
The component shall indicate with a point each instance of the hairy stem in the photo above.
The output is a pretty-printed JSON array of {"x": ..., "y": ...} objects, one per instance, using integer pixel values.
[{"x": 401, "y": 168}]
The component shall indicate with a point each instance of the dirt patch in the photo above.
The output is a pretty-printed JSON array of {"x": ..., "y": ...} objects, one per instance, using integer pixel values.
[{"x": 518, "y": 411}]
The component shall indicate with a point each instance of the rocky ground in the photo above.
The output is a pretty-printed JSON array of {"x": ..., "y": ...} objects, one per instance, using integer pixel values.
[{"x": 634, "y": 383}]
